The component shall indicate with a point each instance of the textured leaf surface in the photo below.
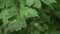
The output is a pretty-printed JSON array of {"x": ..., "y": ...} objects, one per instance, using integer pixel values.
[
  {"x": 29, "y": 2},
  {"x": 37, "y": 4},
  {"x": 29, "y": 12},
  {"x": 18, "y": 22},
  {"x": 7, "y": 13}
]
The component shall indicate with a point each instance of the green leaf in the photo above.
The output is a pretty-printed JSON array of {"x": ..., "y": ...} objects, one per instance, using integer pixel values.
[
  {"x": 0, "y": 16},
  {"x": 46, "y": 32},
  {"x": 37, "y": 4},
  {"x": 57, "y": 14},
  {"x": 40, "y": 28},
  {"x": 29, "y": 2},
  {"x": 22, "y": 3},
  {"x": 16, "y": 25},
  {"x": 29, "y": 12},
  {"x": 22, "y": 17},
  {"x": 18, "y": 22},
  {"x": 36, "y": 32},
  {"x": 49, "y": 2},
  {"x": 2, "y": 4},
  {"x": 9, "y": 3},
  {"x": 7, "y": 13}
]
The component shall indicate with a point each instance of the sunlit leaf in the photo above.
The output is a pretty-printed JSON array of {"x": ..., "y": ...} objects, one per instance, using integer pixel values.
[
  {"x": 37, "y": 4},
  {"x": 29, "y": 2}
]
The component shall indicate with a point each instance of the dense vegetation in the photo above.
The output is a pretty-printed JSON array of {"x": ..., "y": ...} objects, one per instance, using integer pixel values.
[{"x": 29, "y": 16}]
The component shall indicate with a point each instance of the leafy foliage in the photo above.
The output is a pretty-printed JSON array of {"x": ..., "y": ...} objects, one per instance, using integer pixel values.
[{"x": 29, "y": 16}]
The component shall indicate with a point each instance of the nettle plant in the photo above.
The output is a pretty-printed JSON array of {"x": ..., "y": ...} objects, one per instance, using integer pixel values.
[{"x": 14, "y": 13}]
